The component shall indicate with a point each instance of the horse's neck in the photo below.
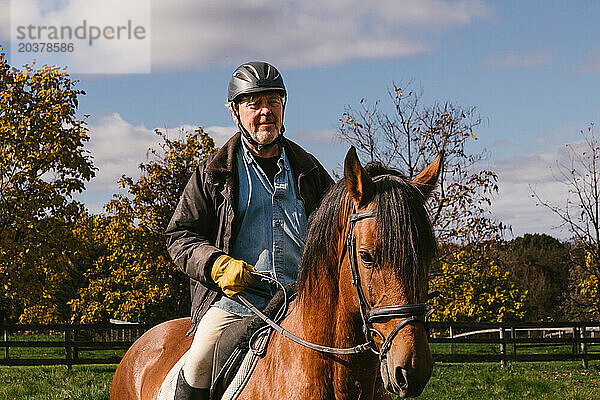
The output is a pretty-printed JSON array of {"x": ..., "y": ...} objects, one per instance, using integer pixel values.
[{"x": 327, "y": 320}]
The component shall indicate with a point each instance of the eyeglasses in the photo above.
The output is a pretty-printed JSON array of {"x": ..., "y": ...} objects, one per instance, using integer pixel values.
[{"x": 256, "y": 104}]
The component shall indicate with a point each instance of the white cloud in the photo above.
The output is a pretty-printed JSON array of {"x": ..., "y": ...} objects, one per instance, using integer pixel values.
[
  {"x": 526, "y": 169},
  {"x": 519, "y": 178},
  {"x": 220, "y": 134},
  {"x": 106, "y": 36},
  {"x": 118, "y": 147},
  {"x": 531, "y": 59},
  {"x": 191, "y": 34},
  {"x": 517, "y": 208},
  {"x": 4, "y": 20}
]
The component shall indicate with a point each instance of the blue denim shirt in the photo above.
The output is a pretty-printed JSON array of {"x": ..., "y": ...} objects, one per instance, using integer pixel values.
[{"x": 272, "y": 229}]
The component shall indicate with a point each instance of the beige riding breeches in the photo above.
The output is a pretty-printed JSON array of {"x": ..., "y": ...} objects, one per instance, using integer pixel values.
[{"x": 197, "y": 368}]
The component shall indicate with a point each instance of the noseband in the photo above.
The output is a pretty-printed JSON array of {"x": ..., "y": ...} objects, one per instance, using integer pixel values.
[{"x": 410, "y": 313}]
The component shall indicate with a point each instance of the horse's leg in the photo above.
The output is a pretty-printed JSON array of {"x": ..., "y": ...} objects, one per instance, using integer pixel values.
[{"x": 147, "y": 362}]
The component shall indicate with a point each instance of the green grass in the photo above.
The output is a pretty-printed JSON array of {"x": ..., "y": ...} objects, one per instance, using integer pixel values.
[
  {"x": 56, "y": 383},
  {"x": 552, "y": 380},
  {"x": 486, "y": 381}
]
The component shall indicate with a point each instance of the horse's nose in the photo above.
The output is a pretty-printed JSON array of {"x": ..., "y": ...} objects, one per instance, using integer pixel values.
[
  {"x": 402, "y": 378},
  {"x": 408, "y": 382}
]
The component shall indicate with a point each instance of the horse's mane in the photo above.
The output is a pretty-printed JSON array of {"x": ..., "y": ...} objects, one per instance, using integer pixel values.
[{"x": 405, "y": 237}]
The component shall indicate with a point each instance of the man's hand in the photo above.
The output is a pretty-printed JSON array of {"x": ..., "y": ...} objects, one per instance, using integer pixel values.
[{"x": 232, "y": 275}]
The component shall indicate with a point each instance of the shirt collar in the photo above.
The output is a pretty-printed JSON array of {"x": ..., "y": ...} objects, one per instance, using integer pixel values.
[{"x": 249, "y": 157}]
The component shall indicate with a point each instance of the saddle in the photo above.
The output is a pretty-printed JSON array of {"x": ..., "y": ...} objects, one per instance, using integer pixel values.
[{"x": 233, "y": 346}]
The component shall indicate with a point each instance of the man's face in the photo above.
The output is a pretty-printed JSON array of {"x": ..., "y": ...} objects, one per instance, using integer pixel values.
[{"x": 261, "y": 115}]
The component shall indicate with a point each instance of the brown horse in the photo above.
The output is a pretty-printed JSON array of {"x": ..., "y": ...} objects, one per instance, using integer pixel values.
[{"x": 364, "y": 268}]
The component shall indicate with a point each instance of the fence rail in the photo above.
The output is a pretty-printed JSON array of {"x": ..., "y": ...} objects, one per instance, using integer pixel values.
[
  {"x": 76, "y": 339},
  {"x": 518, "y": 341},
  {"x": 484, "y": 342}
]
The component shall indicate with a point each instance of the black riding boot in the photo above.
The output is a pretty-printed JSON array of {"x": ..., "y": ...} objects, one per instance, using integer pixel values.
[{"x": 183, "y": 390}]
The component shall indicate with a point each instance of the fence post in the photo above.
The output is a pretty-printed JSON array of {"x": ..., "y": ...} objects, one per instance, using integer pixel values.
[
  {"x": 452, "y": 340},
  {"x": 75, "y": 349},
  {"x": 575, "y": 340},
  {"x": 502, "y": 347},
  {"x": 68, "y": 348},
  {"x": 584, "y": 360},
  {"x": 6, "y": 347},
  {"x": 513, "y": 337}
]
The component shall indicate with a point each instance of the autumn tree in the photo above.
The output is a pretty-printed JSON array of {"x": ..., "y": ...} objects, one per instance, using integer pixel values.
[
  {"x": 42, "y": 164},
  {"x": 474, "y": 287},
  {"x": 579, "y": 172},
  {"x": 410, "y": 137},
  {"x": 539, "y": 264},
  {"x": 134, "y": 278},
  {"x": 407, "y": 135}
]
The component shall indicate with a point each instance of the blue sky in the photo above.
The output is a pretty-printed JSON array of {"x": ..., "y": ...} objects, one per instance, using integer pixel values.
[{"x": 532, "y": 69}]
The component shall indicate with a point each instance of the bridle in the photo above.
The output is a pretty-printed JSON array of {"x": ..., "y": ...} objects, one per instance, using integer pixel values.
[{"x": 411, "y": 313}]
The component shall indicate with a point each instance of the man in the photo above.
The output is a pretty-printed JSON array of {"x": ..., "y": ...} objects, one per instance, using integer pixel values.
[{"x": 244, "y": 209}]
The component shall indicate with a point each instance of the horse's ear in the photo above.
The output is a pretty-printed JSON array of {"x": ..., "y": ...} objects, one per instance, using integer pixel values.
[
  {"x": 427, "y": 179},
  {"x": 358, "y": 182}
]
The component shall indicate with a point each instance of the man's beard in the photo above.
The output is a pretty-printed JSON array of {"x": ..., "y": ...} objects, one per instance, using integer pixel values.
[{"x": 264, "y": 137}]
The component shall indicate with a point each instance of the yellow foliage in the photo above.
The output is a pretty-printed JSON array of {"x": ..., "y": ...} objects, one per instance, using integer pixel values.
[
  {"x": 133, "y": 279},
  {"x": 42, "y": 164},
  {"x": 588, "y": 287},
  {"x": 473, "y": 288}
]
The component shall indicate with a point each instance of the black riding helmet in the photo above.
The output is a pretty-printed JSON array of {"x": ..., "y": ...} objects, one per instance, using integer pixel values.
[{"x": 255, "y": 77}]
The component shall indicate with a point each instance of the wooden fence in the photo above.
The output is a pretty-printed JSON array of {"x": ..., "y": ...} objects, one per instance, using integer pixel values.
[
  {"x": 69, "y": 345},
  {"x": 71, "y": 339},
  {"x": 504, "y": 342}
]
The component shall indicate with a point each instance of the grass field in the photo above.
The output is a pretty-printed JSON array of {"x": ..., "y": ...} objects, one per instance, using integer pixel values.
[
  {"x": 553, "y": 380},
  {"x": 56, "y": 383},
  {"x": 486, "y": 381}
]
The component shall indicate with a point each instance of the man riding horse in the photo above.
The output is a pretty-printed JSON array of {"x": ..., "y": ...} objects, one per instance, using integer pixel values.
[{"x": 244, "y": 209}]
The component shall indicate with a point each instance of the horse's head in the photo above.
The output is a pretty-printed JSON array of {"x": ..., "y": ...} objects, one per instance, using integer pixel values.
[{"x": 389, "y": 247}]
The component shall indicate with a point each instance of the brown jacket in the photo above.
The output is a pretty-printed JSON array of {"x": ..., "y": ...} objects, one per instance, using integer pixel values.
[{"x": 206, "y": 220}]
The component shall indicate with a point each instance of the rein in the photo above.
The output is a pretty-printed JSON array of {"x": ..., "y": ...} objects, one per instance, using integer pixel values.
[{"x": 410, "y": 312}]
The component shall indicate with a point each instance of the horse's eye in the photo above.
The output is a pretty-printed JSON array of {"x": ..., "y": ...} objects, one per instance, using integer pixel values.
[{"x": 366, "y": 258}]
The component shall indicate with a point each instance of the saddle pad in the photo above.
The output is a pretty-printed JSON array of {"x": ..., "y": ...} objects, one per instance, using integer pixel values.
[
  {"x": 245, "y": 371},
  {"x": 233, "y": 343},
  {"x": 238, "y": 382}
]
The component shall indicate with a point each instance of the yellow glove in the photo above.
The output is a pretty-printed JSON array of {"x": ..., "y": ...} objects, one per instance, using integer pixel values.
[{"x": 232, "y": 275}]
